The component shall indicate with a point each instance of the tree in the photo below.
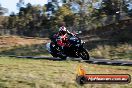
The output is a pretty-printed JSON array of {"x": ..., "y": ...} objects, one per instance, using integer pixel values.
[
  {"x": 128, "y": 7},
  {"x": 3, "y": 10},
  {"x": 65, "y": 14},
  {"x": 20, "y": 4}
]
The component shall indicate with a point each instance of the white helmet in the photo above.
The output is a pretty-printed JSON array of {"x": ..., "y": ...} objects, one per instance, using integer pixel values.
[{"x": 62, "y": 28}]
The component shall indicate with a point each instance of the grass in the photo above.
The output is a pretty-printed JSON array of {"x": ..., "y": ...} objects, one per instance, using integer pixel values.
[
  {"x": 97, "y": 49},
  {"x": 28, "y": 50},
  {"x": 16, "y": 45},
  {"x": 120, "y": 52},
  {"x": 40, "y": 73}
]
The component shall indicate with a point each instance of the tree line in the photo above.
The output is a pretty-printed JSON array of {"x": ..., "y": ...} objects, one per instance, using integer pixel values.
[{"x": 32, "y": 20}]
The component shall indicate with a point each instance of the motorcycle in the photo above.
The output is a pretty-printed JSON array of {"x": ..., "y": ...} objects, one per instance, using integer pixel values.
[{"x": 75, "y": 48}]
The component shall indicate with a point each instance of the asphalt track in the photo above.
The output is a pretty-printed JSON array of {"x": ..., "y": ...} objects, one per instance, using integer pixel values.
[{"x": 91, "y": 60}]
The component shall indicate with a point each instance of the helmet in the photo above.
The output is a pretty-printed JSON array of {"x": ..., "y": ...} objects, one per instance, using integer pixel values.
[{"x": 62, "y": 30}]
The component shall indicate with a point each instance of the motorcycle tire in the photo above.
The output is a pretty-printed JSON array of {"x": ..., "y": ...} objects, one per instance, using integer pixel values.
[
  {"x": 84, "y": 54},
  {"x": 63, "y": 57},
  {"x": 54, "y": 55}
]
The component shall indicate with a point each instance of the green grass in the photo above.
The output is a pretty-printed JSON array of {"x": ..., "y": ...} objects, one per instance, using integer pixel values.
[
  {"x": 40, "y": 73},
  {"x": 97, "y": 49},
  {"x": 120, "y": 52},
  {"x": 32, "y": 50}
]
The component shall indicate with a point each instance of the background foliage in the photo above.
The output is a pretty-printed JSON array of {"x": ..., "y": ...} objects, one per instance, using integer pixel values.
[{"x": 35, "y": 20}]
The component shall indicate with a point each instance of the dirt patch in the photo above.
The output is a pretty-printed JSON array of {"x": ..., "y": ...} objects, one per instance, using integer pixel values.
[{"x": 10, "y": 41}]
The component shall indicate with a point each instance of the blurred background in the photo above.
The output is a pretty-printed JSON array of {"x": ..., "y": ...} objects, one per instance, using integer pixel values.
[{"x": 105, "y": 24}]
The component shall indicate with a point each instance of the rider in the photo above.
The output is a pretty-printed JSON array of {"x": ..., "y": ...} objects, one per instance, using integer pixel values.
[
  {"x": 63, "y": 33},
  {"x": 62, "y": 36}
]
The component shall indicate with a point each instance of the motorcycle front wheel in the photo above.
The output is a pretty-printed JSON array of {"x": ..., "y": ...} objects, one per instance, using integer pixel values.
[{"x": 84, "y": 54}]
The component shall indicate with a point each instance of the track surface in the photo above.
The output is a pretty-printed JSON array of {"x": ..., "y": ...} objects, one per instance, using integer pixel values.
[{"x": 91, "y": 60}]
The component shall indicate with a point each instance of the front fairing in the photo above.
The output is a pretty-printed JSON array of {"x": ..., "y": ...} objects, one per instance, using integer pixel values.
[{"x": 75, "y": 40}]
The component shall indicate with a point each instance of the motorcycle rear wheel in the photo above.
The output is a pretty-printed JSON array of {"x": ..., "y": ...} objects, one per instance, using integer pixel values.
[
  {"x": 63, "y": 57},
  {"x": 56, "y": 50},
  {"x": 54, "y": 55}
]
